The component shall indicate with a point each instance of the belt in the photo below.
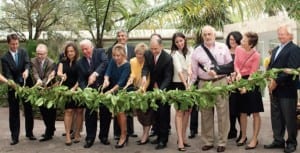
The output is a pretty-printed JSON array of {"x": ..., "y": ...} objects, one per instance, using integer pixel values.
[{"x": 213, "y": 79}]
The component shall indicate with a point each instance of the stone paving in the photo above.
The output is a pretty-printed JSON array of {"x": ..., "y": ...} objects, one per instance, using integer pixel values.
[{"x": 56, "y": 145}]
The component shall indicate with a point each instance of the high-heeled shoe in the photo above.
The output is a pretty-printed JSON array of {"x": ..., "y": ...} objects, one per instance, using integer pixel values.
[
  {"x": 186, "y": 145},
  {"x": 249, "y": 148},
  {"x": 118, "y": 146},
  {"x": 76, "y": 140},
  {"x": 68, "y": 143},
  {"x": 242, "y": 143},
  {"x": 181, "y": 149},
  {"x": 142, "y": 143}
]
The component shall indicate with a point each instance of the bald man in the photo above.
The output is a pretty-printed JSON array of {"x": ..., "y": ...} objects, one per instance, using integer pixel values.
[
  {"x": 222, "y": 56},
  {"x": 159, "y": 64},
  {"x": 43, "y": 70}
]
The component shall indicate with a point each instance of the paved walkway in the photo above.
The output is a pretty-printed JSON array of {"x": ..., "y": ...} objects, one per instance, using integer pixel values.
[{"x": 56, "y": 145}]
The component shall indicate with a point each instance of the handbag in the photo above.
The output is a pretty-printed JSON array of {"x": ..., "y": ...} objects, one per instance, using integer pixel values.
[{"x": 219, "y": 69}]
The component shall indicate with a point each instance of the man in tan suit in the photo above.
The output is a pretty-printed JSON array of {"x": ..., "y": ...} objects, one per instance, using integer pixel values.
[{"x": 43, "y": 69}]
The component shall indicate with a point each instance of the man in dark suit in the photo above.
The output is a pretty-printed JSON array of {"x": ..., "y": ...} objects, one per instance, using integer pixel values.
[
  {"x": 122, "y": 38},
  {"x": 91, "y": 70},
  {"x": 283, "y": 92},
  {"x": 160, "y": 66},
  {"x": 15, "y": 66},
  {"x": 43, "y": 71}
]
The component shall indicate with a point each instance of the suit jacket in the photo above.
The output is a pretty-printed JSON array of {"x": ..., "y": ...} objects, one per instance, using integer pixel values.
[
  {"x": 289, "y": 57},
  {"x": 11, "y": 70},
  {"x": 130, "y": 52},
  {"x": 39, "y": 72},
  {"x": 161, "y": 72},
  {"x": 99, "y": 63}
]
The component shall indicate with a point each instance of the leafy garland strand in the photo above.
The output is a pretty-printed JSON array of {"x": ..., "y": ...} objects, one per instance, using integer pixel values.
[{"x": 58, "y": 96}]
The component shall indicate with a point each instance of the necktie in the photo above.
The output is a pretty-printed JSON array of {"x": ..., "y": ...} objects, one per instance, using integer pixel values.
[
  {"x": 16, "y": 59},
  {"x": 278, "y": 51},
  {"x": 89, "y": 59},
  {"x": 42, "y": 69},
  {"x": 155, "y": 60}
]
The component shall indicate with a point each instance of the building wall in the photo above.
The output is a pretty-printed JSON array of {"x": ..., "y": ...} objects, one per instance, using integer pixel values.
[{"x": 267, "y": 31}]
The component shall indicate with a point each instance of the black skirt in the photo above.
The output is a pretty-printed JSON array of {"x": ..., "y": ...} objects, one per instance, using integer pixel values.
[
  {"x": 72, "y": 105},
  {"x": 250, "y": 102}
]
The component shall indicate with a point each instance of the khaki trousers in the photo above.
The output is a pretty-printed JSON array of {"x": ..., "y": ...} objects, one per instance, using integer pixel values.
[{"x": 207, "y": 119}]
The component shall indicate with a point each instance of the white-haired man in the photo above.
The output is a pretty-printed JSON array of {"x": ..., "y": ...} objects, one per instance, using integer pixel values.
[
  {"x": 91, "y": 69},
  {"x": 222, "y": 56}
]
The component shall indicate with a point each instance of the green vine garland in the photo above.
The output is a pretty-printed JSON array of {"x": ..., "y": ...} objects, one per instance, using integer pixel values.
[{"x": 57, "y": 96}]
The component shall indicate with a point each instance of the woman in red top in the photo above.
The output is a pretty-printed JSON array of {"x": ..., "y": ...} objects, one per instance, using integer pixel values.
[{"x": 246, "y": 62}]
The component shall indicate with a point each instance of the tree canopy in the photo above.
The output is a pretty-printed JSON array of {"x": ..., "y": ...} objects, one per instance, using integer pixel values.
[{"x": 102, "y": 16}]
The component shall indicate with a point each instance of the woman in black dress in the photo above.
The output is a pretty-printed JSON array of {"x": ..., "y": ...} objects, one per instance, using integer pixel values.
[{"x": 67, "y": 71}]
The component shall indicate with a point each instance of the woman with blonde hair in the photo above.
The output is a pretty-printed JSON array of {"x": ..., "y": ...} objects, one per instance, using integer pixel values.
[
  {"x": 135, "y": 79},
  {"x": 116, "y": 76}
]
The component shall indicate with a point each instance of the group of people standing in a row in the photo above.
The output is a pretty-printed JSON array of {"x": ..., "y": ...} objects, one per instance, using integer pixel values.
[{"x": 143, "y": 69}]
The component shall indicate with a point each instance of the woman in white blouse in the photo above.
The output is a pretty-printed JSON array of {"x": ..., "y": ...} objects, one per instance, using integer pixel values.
[{"x": 182, "y": 71}]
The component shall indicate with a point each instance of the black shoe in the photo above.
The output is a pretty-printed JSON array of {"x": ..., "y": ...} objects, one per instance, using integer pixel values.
[
  {"x": 239, "y": 138},
  {"x": 273, "y": 146},
  {"x": 221, "y": 148},
  {"x": 133, "y": 135},
  {"x": 44, "y": 135},
  {"x": 160, "y": 146},
  {"x": 104, "y": 141},
  {"x": 88, "y": 144},
  {"x": 155, "y": 141},
  {"x": 45, "y": 138},
  {"x": 242, "y": 143},
  {"x": 118, "y": 146},
  {"x": 206, "y": 147},
  {"x": 68, "y": 143},
  {"x": 14, "y": 142},
  {"x": 142, "y": 143},
  {"x": 181, "y": 149},
  {"x": 232, "y": 135},
  {"x": 31, "y": 137},
  {"x": 116, "y": 137},
  {"x": 290, "y": 149},
  {"x": 186, "y": 145},
  {"x": 192, "y": 135}
]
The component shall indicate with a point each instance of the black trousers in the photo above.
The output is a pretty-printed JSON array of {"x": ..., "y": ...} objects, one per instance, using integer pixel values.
[
  {"x": 130, "y": 127},
  {"x": 194, "y": 120},
  {"x": 234, "y": 113},
  {"x": 283, "y": 117},
  {"x": 14, "y": 116},
  {"x": 163, "y": 122},
  {"x": 91, "y": 118},
  {"x": 49, "y": 118}
]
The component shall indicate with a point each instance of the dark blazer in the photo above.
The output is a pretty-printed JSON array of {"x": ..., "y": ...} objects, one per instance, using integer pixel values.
[
  {"x": 99, "y": 64},
  {"x": 130, "y": 52},
  {"x": 289, "y": 57},
  {"x": 37, "y": 71},
  {"x": 11, "y": 70},
  {"x": 161, "y": 72}
]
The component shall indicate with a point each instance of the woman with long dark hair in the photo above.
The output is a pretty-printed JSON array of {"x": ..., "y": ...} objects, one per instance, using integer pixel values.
[
  {"x": 181, "y": 55},
  {"x": 68, "y": 73}
]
